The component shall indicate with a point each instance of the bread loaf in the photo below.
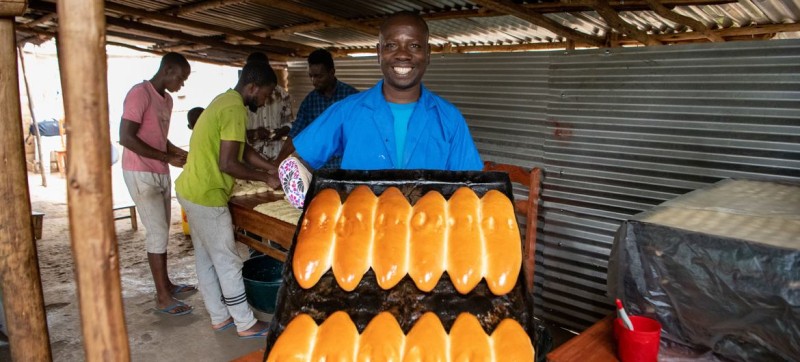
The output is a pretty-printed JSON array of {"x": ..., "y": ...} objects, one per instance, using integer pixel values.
[
  {"x": 297, "y": 341},
  {"x": 469, "y": 237},
  {"x": 427, "y": 341},
  {"x": 382, "y": 340},
  {"x": 511, "y": 343},
  {"x": 354, "y": 238},
  {"x": 502, "y": 242},
  {"x": 427, "y": 258},
  {"x": 465, "y": 251},
  {"x": 468, "y": 341},
  {"x": 390, "y": 249},
  {"x": 337, "y": 339},
  {"x": 316, "y": 240}
]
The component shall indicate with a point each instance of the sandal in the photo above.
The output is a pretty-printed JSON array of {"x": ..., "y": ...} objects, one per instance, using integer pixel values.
[
  {"x": 223, "y": 326},
  {"x": 172, "y": 309},
  {"x": 183, "y": 288}
]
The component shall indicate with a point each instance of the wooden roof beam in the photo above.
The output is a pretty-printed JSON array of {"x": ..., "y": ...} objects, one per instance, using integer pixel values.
[
  {"x": 746, "y": 33},
  {"x": 571, "y": 6},
  {"x": 318, "y": 15},
  {"x": 685, "y": 20},
  {"x": 177, "y": 35},
  {"x": 542, "y": 8},
  {"x": 200, "y": 6},
  {"x": 295, "y": 48},
  {"x": 613, "y": 19},
  {"x": 288, "y": 47},
  {"x": 40, "y": 20},
  {"x": 289, "y": 30},
  {"x": 508, "y": 7}
]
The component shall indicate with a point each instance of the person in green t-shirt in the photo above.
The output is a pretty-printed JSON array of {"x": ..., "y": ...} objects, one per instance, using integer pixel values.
[{"x": 218, "y": 154}]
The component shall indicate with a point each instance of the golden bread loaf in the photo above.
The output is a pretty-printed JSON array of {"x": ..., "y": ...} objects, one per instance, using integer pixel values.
[
  {"x": 469, "y": 237},
  {"x": 427, "y": 258},
  {"x": 390, "y": 249},
  {"x": 427, "y": 341},
  {"x": 382, "y": 340},
  {"x": 465, "y": 252},
  {"x": 468, "y": 341},
  {"x": 296, "y": 342},
  {"x": 511, "y": 343},
  {"x": 355, "y": 233},
  {"x": 501, "y": 239},
  {"x": 313, "y": 253},
  {"x": 337, "y": 339}
]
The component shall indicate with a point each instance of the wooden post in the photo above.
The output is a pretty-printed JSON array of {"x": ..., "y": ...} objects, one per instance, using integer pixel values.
[
  {"x": 19, "y": 267},
  {"x": 33, "y": 116},
  {"x": 82, "y": 60}
]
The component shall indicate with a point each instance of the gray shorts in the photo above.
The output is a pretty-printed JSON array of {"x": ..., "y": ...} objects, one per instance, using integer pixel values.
[{"x": 152, "y": 194}]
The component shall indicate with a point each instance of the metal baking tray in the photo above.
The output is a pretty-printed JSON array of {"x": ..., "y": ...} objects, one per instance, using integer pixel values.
[{"x": 404, "y": 301}]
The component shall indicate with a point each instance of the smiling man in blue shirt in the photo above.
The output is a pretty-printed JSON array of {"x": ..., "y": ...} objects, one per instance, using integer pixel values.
[{"x": 398, "y": 123}]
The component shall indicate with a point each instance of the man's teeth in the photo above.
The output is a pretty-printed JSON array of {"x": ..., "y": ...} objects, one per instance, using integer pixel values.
[{"x": 402, "y": 70}]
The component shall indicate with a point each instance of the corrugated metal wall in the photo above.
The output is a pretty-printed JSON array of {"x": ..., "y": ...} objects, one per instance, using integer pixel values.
[{"x": 616, "y": 131}]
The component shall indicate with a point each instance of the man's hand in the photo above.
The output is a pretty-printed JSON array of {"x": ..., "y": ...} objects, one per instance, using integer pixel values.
[
  {"x": 177, "y": 160},
  {"x": 272, "y": 181},
  {"x": 279, "y": 133}
]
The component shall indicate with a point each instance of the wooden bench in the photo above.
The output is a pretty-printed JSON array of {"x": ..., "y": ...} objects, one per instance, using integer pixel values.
[
  {"x": 131, "y": 214},
  {"x": 595, "y": 344},
  {"x": 37, "y": 219}
]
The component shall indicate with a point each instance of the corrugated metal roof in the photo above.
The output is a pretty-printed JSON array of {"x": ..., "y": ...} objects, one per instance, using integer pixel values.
[{"x": 455, "y": 24}]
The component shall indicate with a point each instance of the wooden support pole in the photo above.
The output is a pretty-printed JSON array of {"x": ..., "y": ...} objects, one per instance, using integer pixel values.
[
  {"x": 82, "y": 60},
  {"x": 33, "y": 117},
  {"x": 19, "y": 267}
]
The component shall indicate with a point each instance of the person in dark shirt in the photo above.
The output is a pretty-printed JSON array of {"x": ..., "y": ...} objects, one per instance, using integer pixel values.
[{"x": 327, "y": 91}]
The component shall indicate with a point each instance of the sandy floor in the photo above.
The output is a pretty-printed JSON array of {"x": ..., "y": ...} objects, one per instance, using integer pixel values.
[{"x": 153, "y": 336}]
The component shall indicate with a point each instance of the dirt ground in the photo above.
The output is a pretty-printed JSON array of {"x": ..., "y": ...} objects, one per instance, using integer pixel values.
[{"x": 152, "y": 336}]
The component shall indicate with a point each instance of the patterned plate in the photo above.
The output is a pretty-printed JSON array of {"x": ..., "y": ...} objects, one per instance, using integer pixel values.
[{"x": 294, "y": 180}]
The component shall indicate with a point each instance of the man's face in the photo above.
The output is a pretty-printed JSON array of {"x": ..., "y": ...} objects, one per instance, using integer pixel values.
[
  {"x": 322, "y": 78},
  {"x": 176, "y": 76},
  {"x": 257, "y": 96},
  {"x": 404, "y": 53}
]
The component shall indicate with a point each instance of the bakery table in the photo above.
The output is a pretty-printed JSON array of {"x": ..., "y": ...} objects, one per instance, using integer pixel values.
[{"x": 245, "y": 219}]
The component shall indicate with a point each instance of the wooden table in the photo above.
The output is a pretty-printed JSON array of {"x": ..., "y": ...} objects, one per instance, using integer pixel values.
[
  {"x": 254, "y": 222},
  {"x": 596, "y": 344}
]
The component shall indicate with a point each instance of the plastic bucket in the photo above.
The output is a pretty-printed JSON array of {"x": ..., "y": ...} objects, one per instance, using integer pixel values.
[
  {"x": 185, "y": 222},
  {"x": 262, "y": 279},
  {"x": 641, "y": 344}
]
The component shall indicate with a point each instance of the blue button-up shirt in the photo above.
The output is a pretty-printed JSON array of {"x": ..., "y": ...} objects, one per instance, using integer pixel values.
[
  {"x": 313, "y": 105},
  {"x": 361, "y": 128}
]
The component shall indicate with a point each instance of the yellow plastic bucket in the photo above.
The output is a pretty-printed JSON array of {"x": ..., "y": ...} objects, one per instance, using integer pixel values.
[{"x": 185, "y": 222}]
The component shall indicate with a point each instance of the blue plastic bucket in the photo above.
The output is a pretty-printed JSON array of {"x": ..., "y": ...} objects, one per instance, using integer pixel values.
[{"x": 262, "y": 278}]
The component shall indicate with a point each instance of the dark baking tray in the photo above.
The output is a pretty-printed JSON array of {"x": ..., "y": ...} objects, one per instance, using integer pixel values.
[{"x": 404, "y": 301}]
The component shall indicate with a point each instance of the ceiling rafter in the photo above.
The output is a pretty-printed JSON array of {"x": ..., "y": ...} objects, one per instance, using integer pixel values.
[
  {"x": 508, "y": 7},
  {"x": 318, "y": 15},
  {"x": 542, "y": 8},
  {"x": 177, "y": 35},
  {"x": 685, "y": 20},
  {"x": 40, "y": 20},
  {"x": 294, "y": 47},
  {"x": 729, "y": 33},
  {"x": 200, "y": 6},
  {"x": 616, "y": 22}
]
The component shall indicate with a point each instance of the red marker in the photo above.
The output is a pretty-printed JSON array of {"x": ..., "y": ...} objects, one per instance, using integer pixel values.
[{"x": 624, "y": 316}]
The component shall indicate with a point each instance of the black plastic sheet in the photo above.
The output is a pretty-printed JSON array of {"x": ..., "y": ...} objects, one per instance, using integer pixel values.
[
  {"x": 405, "y": 301},
  {"x": 736, "y": 297}
]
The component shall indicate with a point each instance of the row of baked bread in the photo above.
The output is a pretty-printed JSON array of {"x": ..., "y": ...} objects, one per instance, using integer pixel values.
[
  {"x": 471, "y": 238},
  {"x": 337, "y": 339}
]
